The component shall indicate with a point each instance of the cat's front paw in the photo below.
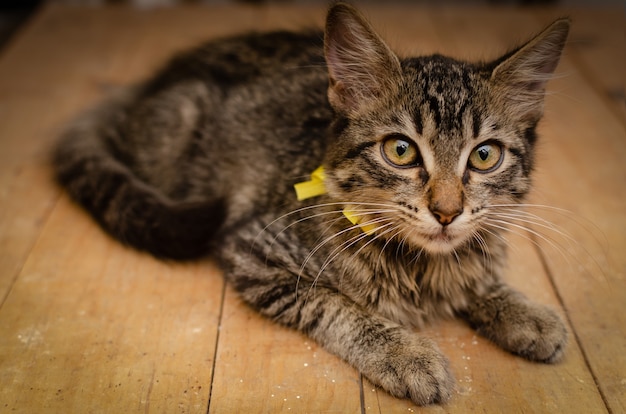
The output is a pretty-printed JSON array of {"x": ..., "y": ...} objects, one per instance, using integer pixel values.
[
  {"x": 537, "y": 334},
  {"x": 518, "y": 325},
  {"x": 415, "y": 369},
  {"x": 532, "y": 331}
]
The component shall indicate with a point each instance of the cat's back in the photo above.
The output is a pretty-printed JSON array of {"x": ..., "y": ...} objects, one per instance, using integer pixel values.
[
  {"x": 202, "y": 142},
  {"x": 254, "y": 92},
  {"x": 237, "y": 60}
]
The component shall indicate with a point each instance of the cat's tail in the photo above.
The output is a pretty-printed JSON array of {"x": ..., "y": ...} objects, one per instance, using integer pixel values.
[{"x": 125, "y": 206}]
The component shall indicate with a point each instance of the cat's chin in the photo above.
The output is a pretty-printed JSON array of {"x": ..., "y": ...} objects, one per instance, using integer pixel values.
[{"x": 439, "y": 243}]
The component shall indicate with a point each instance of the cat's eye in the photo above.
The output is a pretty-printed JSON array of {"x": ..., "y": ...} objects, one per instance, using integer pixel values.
[
  {"x": 401, "y": 151},
  {"x": 486, "y": 157}
]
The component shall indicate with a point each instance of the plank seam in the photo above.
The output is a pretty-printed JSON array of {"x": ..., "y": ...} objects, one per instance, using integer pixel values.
[
  {"x": 361, "y": 393},
  {"x": 44, "y": 218},
  {"x": 217, "y": 341},
  {"x": 548, "y": 271}
]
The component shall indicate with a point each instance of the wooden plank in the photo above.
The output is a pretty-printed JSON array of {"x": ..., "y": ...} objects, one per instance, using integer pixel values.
[
  {"x": 27, "y": 196},
  {"x": 458, "y": 334},
  {"x": 487, "y": 379},
  {"x": 490, "y": 380},
  {"x": 588, "y": 273},
  {"x": 262, "y": 367},
  {"x": 65, "y": 59},
  {"x": 597, "y": 47},
  {"x": 75, "y": 327},
  {"x": 591, "y": 274},
  {"x": 590, "y": 184},
  {"x": 91, "y": 325}
]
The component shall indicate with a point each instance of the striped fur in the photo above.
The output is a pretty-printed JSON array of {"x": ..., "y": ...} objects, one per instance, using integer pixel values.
[{"x": 201, "y": 159}]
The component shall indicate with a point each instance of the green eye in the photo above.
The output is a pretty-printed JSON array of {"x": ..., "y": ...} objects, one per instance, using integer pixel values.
[
  {"x": 486, "y": 157},
  {"x": 400, "y": 151}
]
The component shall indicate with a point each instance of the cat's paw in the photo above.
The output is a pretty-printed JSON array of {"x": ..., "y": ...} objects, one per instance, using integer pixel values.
[
  {"x": 414, "y": 369},
  {"x": 533, "y": 332},
  {"x": 541, "y": 336}
]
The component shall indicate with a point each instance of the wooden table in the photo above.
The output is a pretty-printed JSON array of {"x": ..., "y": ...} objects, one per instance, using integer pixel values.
[{"x": 87, "y": 325}]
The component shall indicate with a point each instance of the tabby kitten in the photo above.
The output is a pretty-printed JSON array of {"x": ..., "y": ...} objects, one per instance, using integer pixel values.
[{"x": 418, "y": 155}]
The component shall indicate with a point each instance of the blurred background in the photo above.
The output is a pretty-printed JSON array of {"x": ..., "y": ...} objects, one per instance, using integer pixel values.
[{"x": 14, "y": 13}]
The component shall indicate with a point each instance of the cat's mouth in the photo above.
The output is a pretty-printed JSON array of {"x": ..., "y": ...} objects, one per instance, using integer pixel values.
[
  {"x": 436, "y": 239},
  {"x": 442, "y": 241}
]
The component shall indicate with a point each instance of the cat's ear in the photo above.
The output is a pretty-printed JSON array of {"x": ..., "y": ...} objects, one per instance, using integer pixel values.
[
  {"x": 524, "y": 72},
  {"x": 360, "y": 65}
]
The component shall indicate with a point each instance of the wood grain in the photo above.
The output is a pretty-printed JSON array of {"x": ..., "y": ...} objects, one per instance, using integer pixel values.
[
  {"x": 597, "y": 47},
  {"x": 87, "y": 325},
  {"x": 90, "y": 322},
  {"x": 263, "y": 365}
]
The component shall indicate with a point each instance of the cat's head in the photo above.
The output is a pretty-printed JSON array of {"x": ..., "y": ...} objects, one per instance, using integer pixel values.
[{"x": 424, "y": 147}]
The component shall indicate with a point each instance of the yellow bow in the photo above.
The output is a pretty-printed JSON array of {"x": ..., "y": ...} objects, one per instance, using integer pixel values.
[
  {"x": 315, "y": 187},
  {"x": 312, "y": 188}
]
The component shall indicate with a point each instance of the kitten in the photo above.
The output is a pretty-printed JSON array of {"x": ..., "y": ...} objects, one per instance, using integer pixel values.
[{"x": 420, "y": 154}]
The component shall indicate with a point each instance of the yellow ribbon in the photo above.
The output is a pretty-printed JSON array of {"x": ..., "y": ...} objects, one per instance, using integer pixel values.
[
  {"x": 355, "y": 218},
  {"x": 316, "y": 187},
  {"x": 312, "y": 188}
]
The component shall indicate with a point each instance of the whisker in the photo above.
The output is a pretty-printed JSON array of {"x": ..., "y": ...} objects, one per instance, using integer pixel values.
[
  {"x": 378, "y": 236},
  {"x": 588, "y": 225},
  {"x": 500, "y": 237},
  {"x": 415, "y": 258},
  {"x": 322, "y": 205},
  {"x": 332, "y": 256},
  {"x": 503, "y": 226},
  {"x": 322, "y": 244},
  {"x": 398, "y": 227},
  {"x": 518, "y": 213},
  {"x": 374, "y": 209},
  {"x": 337, "y": 251},
  {"x": 313, "y": 216},
  {"x": 484, "y": 248},
  {"x": 543, "y": 224},
  {"x": 368, "y": 211},
  {"x": 456, "y": 255},
  {"x": 358, "y": 213}
]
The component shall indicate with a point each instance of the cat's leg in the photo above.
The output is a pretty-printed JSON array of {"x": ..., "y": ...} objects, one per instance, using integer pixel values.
[
  {"x": 400, "y": 361},
  {"x": 390, "y": 356},
  {"x": 518, "y": 325}
]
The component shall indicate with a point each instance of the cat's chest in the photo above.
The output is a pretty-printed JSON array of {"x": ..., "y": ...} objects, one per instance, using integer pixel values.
[{"x": 412, "y": 289}]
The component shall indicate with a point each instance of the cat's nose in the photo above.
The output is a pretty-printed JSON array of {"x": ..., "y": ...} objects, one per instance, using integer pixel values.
[
  {"x": 445, "y": 216},
  {"x": 446, "y": 199}
]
